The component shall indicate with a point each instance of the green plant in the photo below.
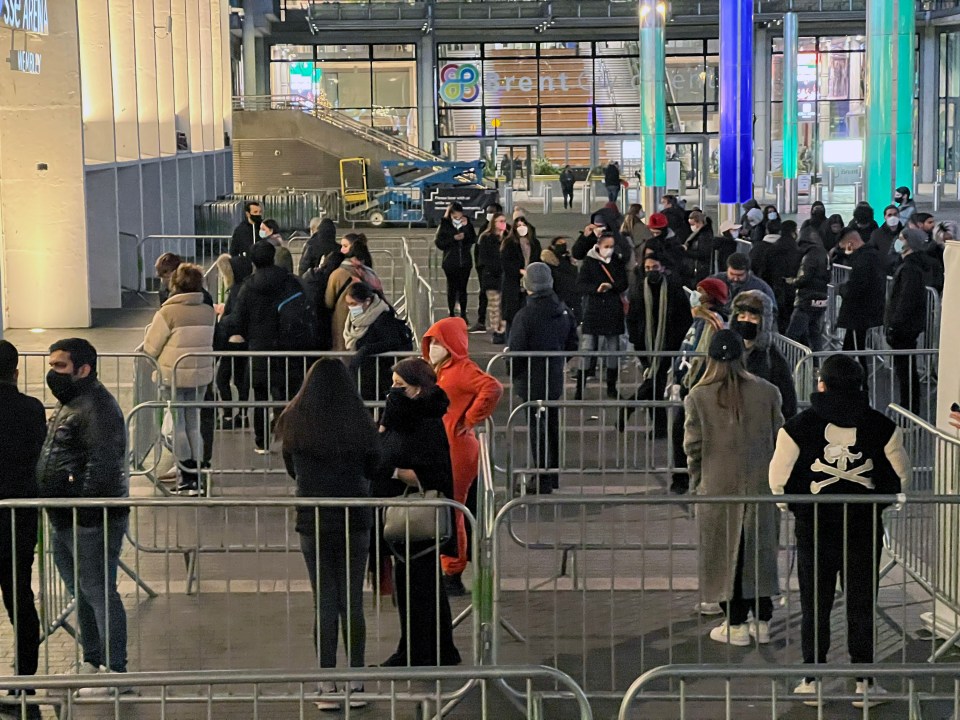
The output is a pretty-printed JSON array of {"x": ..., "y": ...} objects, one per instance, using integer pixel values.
[{"x": 542, "y": 166}]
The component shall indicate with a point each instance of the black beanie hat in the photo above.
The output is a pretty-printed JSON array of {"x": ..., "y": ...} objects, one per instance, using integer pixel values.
[{"x": 726, "y": 345}]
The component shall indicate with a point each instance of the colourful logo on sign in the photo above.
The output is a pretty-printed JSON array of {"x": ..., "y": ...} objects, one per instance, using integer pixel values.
[{"x": 459, "y": 83}]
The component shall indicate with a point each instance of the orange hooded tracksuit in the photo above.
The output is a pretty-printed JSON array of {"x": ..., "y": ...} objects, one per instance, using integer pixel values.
[{"x": 473, "y": 397}]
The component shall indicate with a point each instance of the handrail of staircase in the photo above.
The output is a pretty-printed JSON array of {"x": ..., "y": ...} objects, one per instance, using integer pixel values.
[{"x": 338, "y": 119}]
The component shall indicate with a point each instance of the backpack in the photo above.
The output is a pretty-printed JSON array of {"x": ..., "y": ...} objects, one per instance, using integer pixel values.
[
  {"x": 296, "y": 321},
  {"x": 404, "y": 333}
]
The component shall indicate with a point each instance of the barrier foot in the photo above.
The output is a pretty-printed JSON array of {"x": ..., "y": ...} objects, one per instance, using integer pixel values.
[{"x": 137, "y": 579}]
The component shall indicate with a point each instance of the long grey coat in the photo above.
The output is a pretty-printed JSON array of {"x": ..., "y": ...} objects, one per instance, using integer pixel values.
[{"x": 727, "y": 457}]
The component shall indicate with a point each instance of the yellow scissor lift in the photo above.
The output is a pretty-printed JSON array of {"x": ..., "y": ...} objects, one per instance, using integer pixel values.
[{"x": 358, "y": 203}]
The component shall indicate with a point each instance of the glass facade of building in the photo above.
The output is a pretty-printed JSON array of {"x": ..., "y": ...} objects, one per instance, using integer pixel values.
[
  {"x": 948, "y": 95},
  {"x": 373, "y": 84}
]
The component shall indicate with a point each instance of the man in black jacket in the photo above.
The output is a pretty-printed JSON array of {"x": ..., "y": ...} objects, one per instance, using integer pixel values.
[
  {"x": 864, "y": 292},
  {"x": 906, "y": 312},
  {"x": 23, "y": 427},
  {"x": 840, "y": 446},
  {"x": 544, "y": 324},
  {"x": 245, "y": 234},
  {"x": 83, "y": 457},
  {"x": 256, "y": 320},
  {"x": 611, "y": 180},
  {"x": 322, "y": 242},
  {"x": 810, "y": 303}
]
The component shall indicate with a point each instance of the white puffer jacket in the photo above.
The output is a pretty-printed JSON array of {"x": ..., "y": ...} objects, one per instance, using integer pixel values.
[{"x": 183, "y": 324}]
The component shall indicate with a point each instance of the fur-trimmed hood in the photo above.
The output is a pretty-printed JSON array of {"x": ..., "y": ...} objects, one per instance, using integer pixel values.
[{"x": 754, "y": 300}]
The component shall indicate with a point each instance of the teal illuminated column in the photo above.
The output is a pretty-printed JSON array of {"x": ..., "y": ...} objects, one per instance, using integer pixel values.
[
  {"x": 791, "y": 110},
  {"x": 905, "y": 84},
  {"x": 879, "y": 110},
  {"x": 653, "y": 110}
]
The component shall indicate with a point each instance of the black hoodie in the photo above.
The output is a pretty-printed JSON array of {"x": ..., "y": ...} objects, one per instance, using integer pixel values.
[
  {"x": 255, "y": 316},
  {"x": 839, "y": 434},
  {"x": 321, "y": 243}
]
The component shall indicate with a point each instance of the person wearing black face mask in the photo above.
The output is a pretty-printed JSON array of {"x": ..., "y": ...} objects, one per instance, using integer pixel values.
[
  {"x": 83, "y": 456},
  {"x": 557, "y": 257},
  {"x": 246, "y": 233},
  {"x": 752, "y": 317},
  {"x": 657, "y": 322}
]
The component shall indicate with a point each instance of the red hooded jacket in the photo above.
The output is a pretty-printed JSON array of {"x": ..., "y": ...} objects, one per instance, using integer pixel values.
[{"x": 473, "y": 396}]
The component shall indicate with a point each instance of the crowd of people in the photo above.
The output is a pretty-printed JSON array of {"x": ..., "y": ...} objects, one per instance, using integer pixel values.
[{"x": 666, "y": 282}]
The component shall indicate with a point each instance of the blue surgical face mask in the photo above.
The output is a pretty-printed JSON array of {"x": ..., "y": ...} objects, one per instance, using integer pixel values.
[
  {"x": 356, "y": 311},
  {"x": 898, "y": 246}
]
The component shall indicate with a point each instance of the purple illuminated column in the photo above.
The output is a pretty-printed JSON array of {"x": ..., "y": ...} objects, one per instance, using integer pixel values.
[{"x": 736, "y": 104}]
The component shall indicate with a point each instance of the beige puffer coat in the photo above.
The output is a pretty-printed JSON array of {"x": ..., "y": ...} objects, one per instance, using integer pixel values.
[{"x": 183, "y": 324}]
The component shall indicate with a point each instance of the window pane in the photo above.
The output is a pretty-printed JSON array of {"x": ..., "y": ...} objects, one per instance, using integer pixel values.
[
  {"x": 713, "y": 118},
  {"x": 776, "y": 77},
  {"x": 459, "y": 122},
  {"x": 686, "y": 78},
  {"x": 394, "y": 84},
  {"x": 684, "y": 47},
  {"x": 712, "y": 81},
  {"x": 566, "y": 81},
  {"x": 841, "y": 119},
  {"x": 685, "y": 119},
  {"x": 506, "y": 82},
  {"x": 617, "y": 47},
  {"x": 841, "y": 76},
  {"x": 842, "y": 44},
  {"x": 510, "y": 49},
  {"x": 395, "y": 51},
  {"x": 513, "y": 121},
  {"x": 566, "y": 121},
  {"x": 713, "y": 45},
  {"x": 618, "y": 120},
  {"x": 778, "y": 45},
  {"x": 342, "y": 52},
  {"x": 291, "y": 52},
  {"x": 565, "y": 49},
  {"x": 461, "y": 50},
  {"x": 615, "y": 81},
  {"x": 347, "y": 84},
  {"x": 398, "y": 122}
]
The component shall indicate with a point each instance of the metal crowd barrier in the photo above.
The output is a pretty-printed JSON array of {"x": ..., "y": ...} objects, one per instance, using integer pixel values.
[
  {"x": 794, "y": 353},
  {"x": 883, "y": 383},
  {"x": 390, "y": 692},
  {"x": 732, "y": 691},
  {"x": 294, "y": 208},
  {"x": 202, "y": 250},
  {"x": 419, "y": 296},
  {"x": 605, "y": 587}
]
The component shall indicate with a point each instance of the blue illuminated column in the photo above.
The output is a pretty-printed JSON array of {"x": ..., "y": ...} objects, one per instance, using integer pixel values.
[
  {"x": 653, "y": 109},
  {"x": 905, "y": 84},
  {"x": 736, "y": 105},
  {"x": 881, "y": 98},
  {"x": 791, "y": 110}
]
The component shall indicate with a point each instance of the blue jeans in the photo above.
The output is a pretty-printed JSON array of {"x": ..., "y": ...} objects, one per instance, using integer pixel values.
[
  {"x": 187, "y": 438},
  {"x": 806, "y": 327},
  {"x": 100, "y": 613}
]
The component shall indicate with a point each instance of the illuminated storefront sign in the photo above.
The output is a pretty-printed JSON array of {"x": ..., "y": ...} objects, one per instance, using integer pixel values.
[{"x": 30, "y": 16}]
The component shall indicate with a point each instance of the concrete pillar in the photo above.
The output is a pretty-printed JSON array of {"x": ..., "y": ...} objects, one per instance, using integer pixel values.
[
  {"x": 249, "y": 47},
  {"x": 653, "y": 110},
  {"x": 43, "y": 229},
  {"x": 426, "y": 90},
  {"x": 736, "y": 101},
  {"x": 929, "y": 106}
]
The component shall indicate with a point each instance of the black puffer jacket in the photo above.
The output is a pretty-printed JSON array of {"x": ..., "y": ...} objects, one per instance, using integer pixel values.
[
  {"x": 906, "y": 311},
  {"x": 564, "y": 276},
  {"x": 457, "y": 254},
  {"x": 387, "y": 336},
  {"x": 698, "y": 256},
  {"x": 321, "y": 243},
  {"x": 255, "y": 316},
  {"x": 814, "y": 274},
  {"x": 677, "y": 316},
  {"x": 864, "y": 292},
  {"x": 602, "y": 312},
  {"x": 84, "y": 453},
  {"x": 23, "y": 429},
  {"x": 545, "y": 324},
  {"x": 488, "y": 261}
]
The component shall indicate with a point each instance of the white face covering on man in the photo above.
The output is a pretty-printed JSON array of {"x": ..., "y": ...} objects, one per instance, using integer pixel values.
[{"x": 437, "y": 353}]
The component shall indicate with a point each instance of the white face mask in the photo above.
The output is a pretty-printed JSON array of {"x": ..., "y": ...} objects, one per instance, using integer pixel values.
[
  {"x": 771, "y": 216},
  {"x": 605, "y": 252},
  {"x": 489, "y": 217},
  {"x": 437, "y": 353},
  {"x": 458, "y": 223},
  {"x": 264, "y": 233},
  {"x": 892, "y": 221},
  {"x": 356, "y": 311},
  {"x": 522, "y": 231}
]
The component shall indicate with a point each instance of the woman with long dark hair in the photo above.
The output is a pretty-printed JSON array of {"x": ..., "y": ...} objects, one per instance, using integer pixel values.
[
  {"x": 730, "y": 433},
  {"x": 330, "y": 446},
  {"x": 415, "y": 452},
  {"x": 518, "y": 249}
]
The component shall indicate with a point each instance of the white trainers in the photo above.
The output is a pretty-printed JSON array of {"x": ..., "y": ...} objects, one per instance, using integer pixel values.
[
  {"x": 327, "y": 688},
  {"x": 706, "y": 608},
  {"x": 732, "y": 634},
  {"x": 105, "y": 691},
  {"x": 760, "y": 630},
  {"x": 88, "y": 669},
  {"x": 807, "y": 688},
  {"x": 870, "y": 695},
  {"x": 356, "y": 689}
]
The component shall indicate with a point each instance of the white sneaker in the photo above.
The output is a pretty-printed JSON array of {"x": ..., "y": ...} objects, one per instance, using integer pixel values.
[
  {"x": 706, "y": 608},
  {"x": 760, "y": 630},
  {"x": 875, "y": 695},
  {"x": 327, "y": 688},
  {"x": 88, "y": 669},
  {"x": 356, "y": 689},
  {"x": 105, "y": 691},
  {"x": 807, "y": 688},
  {"x": 732, "y": 634},
  {"x": 261, "y": 450}
]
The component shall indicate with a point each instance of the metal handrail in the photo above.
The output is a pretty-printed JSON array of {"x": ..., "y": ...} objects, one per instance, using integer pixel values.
[{"x": 334, "y": 117}]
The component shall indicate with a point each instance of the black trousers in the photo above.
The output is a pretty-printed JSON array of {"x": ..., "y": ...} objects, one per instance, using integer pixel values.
[
  {"x": 277, "y": 380},
  {"x": 738, "y": 607},
  {"x": 18, "y": 539},
  {"x": 567, "y": 191},
  {"x": 856, "y": 340},
  {"x": 233, "y": 371},
  {"x": 544, "y": 427},
  {"x": 853, "y": 556},
  {"x": 457, "y": 280},
  {"x": 208, "y": 421},
  {"x": 419, "y": 620},
  {"x": 905, "y": 368},
  {"x": 482, "y": 310}
]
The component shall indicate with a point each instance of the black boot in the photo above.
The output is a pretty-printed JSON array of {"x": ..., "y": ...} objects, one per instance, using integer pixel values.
[
  {"x": 580, "y": 381},
  {"x": 189, "y": 479},
  {"x": 612, "y": 383}
]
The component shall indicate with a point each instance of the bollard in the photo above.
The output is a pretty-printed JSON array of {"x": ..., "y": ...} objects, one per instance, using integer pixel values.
[
  {"x": 780, "y": 196},
  {"x": 857, "y": 192},
  {"x": 547, "y": 199},
  {"x": 508, "y": 199},
  {"x": 916, "y": 180},
  {"x": 831, "y": 179},
  {"x": 816, "y": 193},
  {"x": 587, "y": 204},
  {"x": 939, "y": 176},
  {"x": 937, "y": 191},
  {"x": 703, "y": 196}
]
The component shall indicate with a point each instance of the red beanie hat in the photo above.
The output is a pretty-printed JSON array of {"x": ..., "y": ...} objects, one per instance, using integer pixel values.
[
  {"x": 657, "y": 221},
  {"x": 716, "y": 289}
]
